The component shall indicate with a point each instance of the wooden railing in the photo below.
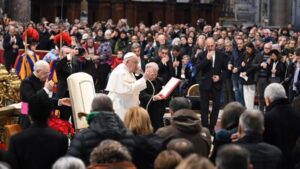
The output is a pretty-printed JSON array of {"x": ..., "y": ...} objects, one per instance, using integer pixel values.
[{"x": 8, "y": 115}]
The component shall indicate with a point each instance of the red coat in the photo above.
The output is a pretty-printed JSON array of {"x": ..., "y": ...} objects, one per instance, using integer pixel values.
[{"x": 115, "y": 62}]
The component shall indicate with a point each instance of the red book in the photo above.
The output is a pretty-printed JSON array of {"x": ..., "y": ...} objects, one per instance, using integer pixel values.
[{"x": 169, "y": 87}]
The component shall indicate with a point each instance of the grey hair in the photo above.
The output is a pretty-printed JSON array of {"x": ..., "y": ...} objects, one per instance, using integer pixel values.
[
  {"x": 101, "y": 102},
  {"x": 68, "y": 163},
  {"x": 152, "y": 65},
  {"x": 4, "y": 165},
  {"x": 135, "y": 45},
  {"x": 275, "y": 91},
  {"x": 252, "y": 121},
  {"x": 39, "y": 65},
  {"x": 108, "y": 32}
]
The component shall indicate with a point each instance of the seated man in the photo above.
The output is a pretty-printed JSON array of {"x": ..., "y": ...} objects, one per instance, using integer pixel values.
[
  {"x": 186, "y": 124},
  {"x": 38, "y": 146},
  {"x": 103, "y": 122},
  {"x": 233, "y": 157},
  {"x": 263, "y": 155},
  {"x": 111, "y": 154}
]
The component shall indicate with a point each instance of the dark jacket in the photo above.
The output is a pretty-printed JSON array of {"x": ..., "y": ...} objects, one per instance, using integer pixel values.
[
  {"x": 282, "y": 128},
  {"x": 10, "y": 54},
  {"x": 144, "y": 149},
  {"x": 105, "y": 125},
  {"x": 280, "y": 71},
  {"x": 262, "y": 155},
  {"x": 37, "y": 147},
  {"x": 44, "y": 42},
  {"x": 206, "y": 71},
  {"x": 64, "y": 68},
  {"x": 156, "y": 109},
  {"x": 252, "y": 66},
  {"x": 30, "y": 87},
  {"x": 166, "y": 71},
  {"x": 185, "y": 124}
]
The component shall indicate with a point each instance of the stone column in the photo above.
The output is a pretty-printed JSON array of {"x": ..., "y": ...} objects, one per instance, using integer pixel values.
[
  {"x": 20, "y": 10},
  {"x": 280, "y": 12},
  {"x": 296, "y": 14}
]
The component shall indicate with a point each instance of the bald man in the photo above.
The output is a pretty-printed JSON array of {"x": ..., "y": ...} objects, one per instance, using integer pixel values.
[
  {"x": 211, "y": 65},
  {"x": 123, "y": 87}
]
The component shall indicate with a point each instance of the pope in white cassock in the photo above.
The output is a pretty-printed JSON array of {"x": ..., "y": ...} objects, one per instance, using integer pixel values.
[{"x": 123, "y": 87}]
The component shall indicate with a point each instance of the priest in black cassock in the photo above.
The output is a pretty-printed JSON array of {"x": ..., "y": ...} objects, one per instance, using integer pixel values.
[
  {"x": 149, "y": 98},
  {"x": 37, "y": 83}
]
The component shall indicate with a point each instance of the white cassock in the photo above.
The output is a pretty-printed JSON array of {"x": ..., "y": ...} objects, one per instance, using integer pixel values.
[{"x": 124, "y": 89}]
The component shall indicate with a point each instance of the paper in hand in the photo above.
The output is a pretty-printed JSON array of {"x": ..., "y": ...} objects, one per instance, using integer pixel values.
[
  {"x": 244, "y": 77},
  {"x": 169, "y": 88}
]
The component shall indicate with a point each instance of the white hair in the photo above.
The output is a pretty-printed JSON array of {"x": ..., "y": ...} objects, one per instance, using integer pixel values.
[
  {"x": 275, "y": 91},
  {"x": 39, "y": 65},
  {"x": 176, "y": 42},
  {"x": 152, "y": 65},
  {"x": 108, "y": 33},
  {"x": 68, "y": 163},
  {"x": 129, "y": 55}
]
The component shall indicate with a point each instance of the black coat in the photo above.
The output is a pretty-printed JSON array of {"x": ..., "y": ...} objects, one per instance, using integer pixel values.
[
  {"x": 156, "y": 109},
  {"x": 37, "y": 147},
  {"x": 282, "y": 128},
  {"x": 166, "y": 71},
  {"x": 206, "y": 71},
  {"x": 262, "y": 155},
  {"x": 10, "y": 54},
  {"x": 65, "y": 68},
  {"x": 44, "y": 42},
  {"x": 30, "y": 87},
  {"x": 252, "y": 66},
  {"x": 105, "y": 125},
  {"x": 144, "y": 149}
]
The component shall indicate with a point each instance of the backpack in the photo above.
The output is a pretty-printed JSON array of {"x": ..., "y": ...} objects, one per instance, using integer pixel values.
[{"x": 105, "y": 51}]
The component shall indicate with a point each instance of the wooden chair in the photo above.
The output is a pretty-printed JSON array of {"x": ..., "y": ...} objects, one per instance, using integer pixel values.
[
  {"x": 11, "y": 130},
  {"x": 193, "y": 90}
]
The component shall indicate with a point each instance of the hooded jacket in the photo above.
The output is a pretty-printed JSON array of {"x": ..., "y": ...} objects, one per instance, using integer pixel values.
[
  {"x": 104, "y": 125},
  {"x": 186, "y": 124}
]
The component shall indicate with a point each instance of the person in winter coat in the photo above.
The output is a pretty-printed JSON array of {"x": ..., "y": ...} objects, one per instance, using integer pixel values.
[
  {"x": 186, "y": 124},
  {"x": 103, "y": 124}
]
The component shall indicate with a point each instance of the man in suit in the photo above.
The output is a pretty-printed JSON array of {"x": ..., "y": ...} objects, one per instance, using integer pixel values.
[
  {"x": 77, "y": 60},
  {"x": 210, "y": 65},
  {"x": 166, "y": 70},
  {"x": 12, "y": 42},
  {"x": 38, "y": 146},
  {"x": 34, "y": 84}
]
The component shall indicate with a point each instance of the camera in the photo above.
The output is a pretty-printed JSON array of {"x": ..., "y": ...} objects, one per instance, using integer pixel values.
[{"x": 81, "y": 51}]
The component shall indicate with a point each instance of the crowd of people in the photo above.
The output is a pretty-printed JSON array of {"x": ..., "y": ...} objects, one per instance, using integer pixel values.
[{"x": 231, "y": 65}]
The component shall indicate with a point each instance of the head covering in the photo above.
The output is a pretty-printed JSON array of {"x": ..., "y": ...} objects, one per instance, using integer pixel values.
[
  {"x": 32, "y": 36},
  {"x": 129, "y": 55},
  {"x": 66, "y": 39}
]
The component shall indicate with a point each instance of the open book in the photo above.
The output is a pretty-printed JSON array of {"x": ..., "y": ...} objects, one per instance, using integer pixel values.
[{"x": 169, "y": 87}]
